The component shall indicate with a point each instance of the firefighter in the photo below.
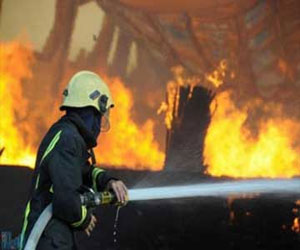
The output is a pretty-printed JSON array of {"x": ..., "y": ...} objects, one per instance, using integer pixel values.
[{"x": 65, "y": 162}]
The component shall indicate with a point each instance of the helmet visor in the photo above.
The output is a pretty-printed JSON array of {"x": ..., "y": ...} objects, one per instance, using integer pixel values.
[{"x": 105, "y": 124}]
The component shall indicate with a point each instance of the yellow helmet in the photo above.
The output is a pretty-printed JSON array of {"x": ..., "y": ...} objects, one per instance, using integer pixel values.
[{"x": 87, "y": 89}]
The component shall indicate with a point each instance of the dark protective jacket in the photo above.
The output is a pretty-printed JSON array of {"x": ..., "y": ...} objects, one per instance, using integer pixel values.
[{"x": 63, "y": 164}]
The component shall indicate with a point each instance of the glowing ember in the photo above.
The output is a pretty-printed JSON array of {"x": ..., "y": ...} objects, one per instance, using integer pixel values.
[
  {"x": 216, "y": 78},
  {"x": 296, "y": 225},
  {"x": 15, "y": 66},
  {"x": 231, "y": 149},
  {"x": 170, "y": 108},
  {"x": 127, "y": 144}
]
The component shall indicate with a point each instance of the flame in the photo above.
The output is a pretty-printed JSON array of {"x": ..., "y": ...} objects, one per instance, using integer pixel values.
[
  {"x": 212, "y": 80},
  {"x": 231, "y": 149},
  {"x": 296, "y": 225},
  {"x": 127, "y": 144},
  {"x": 296, "y": 222},
  {"x": 15, "y": 66},
  {"x": 170, "y": 107},
  {"x": 216, "y": 78}
]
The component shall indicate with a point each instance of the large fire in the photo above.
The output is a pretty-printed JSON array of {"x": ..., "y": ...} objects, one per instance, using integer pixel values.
[
  {"x": 233, "y": 146},
  {"x": 15, "y": 62},
  {"x": 237, "y": 149},
  {"x": 126, "y": 145}
]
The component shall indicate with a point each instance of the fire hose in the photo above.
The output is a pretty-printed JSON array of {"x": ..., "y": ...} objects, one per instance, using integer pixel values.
[
  {"x": 89, "y": 198},
  {"x": 224, "y": 189}
]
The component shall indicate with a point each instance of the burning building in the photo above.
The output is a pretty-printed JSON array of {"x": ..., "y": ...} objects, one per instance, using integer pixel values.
[
  {"x": 205, "y": 87},
  {"x": 232, "y": 65}
]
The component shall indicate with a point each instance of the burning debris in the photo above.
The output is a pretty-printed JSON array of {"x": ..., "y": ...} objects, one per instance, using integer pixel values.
[{"x": 296, "y": 223}]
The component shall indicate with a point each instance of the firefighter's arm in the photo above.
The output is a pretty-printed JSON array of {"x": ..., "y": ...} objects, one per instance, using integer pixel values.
[
  {"x": 102, "y": 181},
  {"x": 65, "y": 173},
  {"x": 99, "y": 178}
]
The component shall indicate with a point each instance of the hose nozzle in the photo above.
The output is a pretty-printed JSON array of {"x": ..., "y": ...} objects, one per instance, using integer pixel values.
[{"x": 93, "y": 199}]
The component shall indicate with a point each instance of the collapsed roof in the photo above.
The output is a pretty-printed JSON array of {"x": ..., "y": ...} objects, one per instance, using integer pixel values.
[{"x": 259, "y": 39}]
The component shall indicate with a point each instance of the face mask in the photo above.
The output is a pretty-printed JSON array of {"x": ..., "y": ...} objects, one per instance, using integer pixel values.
[
  {"x": 91, "y": 119},
  {"x": 96, "y": 127}
]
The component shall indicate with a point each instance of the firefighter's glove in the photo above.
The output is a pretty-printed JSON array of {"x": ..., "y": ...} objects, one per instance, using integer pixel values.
[
  {"x": 91, "y": 226},
  {"x": 120, "y": 190}
]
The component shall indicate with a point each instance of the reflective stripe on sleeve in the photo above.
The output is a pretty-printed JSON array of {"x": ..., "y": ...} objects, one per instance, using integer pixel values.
[
  {"x": 48, "y": 150},
  {"x": 95, "y": 174}
]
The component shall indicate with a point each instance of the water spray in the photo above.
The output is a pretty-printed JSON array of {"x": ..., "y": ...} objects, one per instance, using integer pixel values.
[
  {"x": 223, "y": 189},
  {"x": 220, "y": 189}
]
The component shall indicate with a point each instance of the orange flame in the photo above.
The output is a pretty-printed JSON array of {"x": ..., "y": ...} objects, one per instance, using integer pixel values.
[
  {"x": 127, "y": 144},
  {"x": 15, "y": 66},
  {"x": 296, "y": 225},
  {"x": 212, "y": 80},
  {"x": 232, "y": 150},
  {"x": 170, "y": 107},
  {"x": 296, "y": 222},
  {"x": 216, "y": 78}
]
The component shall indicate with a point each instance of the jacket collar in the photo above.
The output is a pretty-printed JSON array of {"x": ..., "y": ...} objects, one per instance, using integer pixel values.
[{"x": 82, "y": 129}]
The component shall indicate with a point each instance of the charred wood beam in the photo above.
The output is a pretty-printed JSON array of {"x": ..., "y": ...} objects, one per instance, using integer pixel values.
[
  {"x": 118, "y": 66},
  {"x": 98, "y": 57},
  {"x": 207, "y": 64},
  {"x": 289, "y": 23},
  {"x": 57, "y": 46},
  {"x": 205, "y": 10},
  {"x": 81, "y": 2},
  {"x": 262, "y": 51},
  {"x": 165, "y": 45},
  {"x": 243, "y": 56},
  {"x": 117, "y": 12},
  {"x": 60, "y": 34},
  {"x": 155, "y": 41},
  {"x": 185, "y": 140},
  {"x": 127, "y": 15},
  {"x": 280, "y": 40},
  {"x": 241, "y": 45}
]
